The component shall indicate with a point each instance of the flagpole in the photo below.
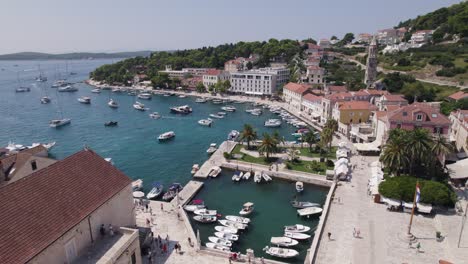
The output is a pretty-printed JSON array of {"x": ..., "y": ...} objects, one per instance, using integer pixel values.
[{"x": 412, "y": 209}]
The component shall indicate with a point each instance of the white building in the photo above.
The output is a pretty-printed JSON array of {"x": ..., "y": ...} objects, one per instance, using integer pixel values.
[
  {"x": 315, "y": 74},
  {"x": 459, "y": 129},
  {"x": 293, "y": 93},
  {"x": 212, "y": 77},
  {"x": 185, "y": 72},
  {"x": 324, "y": 43},
  {"x": 312, "y": 107},
  {"x": 421, "y": 37},
  {"x": 264, "y": 81}
]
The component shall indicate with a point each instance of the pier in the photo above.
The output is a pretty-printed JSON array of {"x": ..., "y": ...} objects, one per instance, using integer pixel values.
[
  {"x": 187, "y": 193},
  {"x": 216, "y": 159}
]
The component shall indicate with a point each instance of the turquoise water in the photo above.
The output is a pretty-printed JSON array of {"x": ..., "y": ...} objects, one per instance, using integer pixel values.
[{"x": 132, "y": 144}]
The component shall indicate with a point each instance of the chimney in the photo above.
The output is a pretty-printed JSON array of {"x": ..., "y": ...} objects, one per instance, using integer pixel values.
[{"x": 33, "y": 165}]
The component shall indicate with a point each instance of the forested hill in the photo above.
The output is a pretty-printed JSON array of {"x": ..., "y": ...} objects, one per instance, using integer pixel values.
[
  {"x": 209, "y": 57},
  {"x": 447, "y": 20},
  {"x": 71, "y": 56}
]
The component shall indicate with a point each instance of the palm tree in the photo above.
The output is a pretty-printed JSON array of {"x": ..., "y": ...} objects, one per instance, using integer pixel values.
[
  {"x": 310, "y": 138},
  {"x": 418, "y": 146},
  {"x": 327, "y": 137},
  {"x": 248, "y": 134},
  {"x": 441, "y": 147},
  {"x": 276, "y": 136},
  {"x": 268, "y": 145},
  {"x": 332, "y": 124},
  {"x": 394, "y": 156}
]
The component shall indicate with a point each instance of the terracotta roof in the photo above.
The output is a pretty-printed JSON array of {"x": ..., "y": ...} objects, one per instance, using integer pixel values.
[
  {"x": 376, "y": 92},
  {"x": 381, "y": 115},
  {"x": 213, "y": 72},
  {"x": 314, "y": 68},
  {"x": 356, "y": 105},
  {"x": 406, "y": 114},
  {"x": 297, "y": 87},
  {"x": 311, "y": 97},
  {"x": 458, "y": 95},
  {"x": 360, "y": 93},
  {"x": 337, "y": 88},
  {"x": 38, "y": 209},
  {"x": 312, "y": 46},
  {"x": 391, "y": 108},
  {"x": 18, "y": 159},
  {"x": 339, "y": 96},
  {"x": 395, "y": 98}
]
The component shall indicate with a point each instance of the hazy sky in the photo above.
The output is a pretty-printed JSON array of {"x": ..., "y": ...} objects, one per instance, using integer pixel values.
[{"x": 128, "y": 25}]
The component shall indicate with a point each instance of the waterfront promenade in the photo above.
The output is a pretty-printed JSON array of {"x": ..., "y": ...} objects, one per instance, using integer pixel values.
[{"x": 216, "y": 159}]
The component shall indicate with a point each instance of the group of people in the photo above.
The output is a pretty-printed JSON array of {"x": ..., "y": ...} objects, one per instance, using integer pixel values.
[
  {"x": 160, "y": 246},
  {"x": 103, "y": 230}
]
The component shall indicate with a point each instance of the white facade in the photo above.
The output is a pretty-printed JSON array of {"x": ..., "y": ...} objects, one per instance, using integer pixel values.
[
  {"x": 215, "y": 77},
  {"x": 312, "y": 107},
  {"x": 421, "y": 37},
  {"x": 264, "y": 81},
  {"x": 459, "y": 129},
  {"x": 315, "y": 74}
]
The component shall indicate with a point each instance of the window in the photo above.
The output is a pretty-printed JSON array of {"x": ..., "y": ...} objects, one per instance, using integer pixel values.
[
  {"x": 419, "y": 117},
  {"x": 437, "y": 130},
  {"x": 434, "y": 115},
  {"x": 405, "y": 113},
  {"x": 398, "y": 126}
]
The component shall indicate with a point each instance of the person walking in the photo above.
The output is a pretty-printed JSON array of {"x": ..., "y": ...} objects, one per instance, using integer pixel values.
[
  {"x": 164, "y": 248},
  {"x": 162, "y": 207},
  {"x": 329, "y": 236},
  {"x": 111, "y": 230},
  {"x": 418, "y": 247},
  {"x": 176, "y": 247},
  {"x": 146, "y": 206},
  {"x": 102, "y": 230},
  {"x": 179, "y": 247}
]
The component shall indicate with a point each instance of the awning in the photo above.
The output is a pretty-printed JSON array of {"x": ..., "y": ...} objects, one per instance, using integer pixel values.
[
  {"x": 315, "y": 115},
  {"x": 459, "y": 169},
  {"x": 254, "y": 93},
  {"x": 408, "y": 205},
  {"x": 367, "y": 146},
  {"x": 424, "y": 208},
  {"x": 390, "y": 201}
]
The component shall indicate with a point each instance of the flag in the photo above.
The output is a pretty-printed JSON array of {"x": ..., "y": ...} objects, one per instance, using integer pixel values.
[{"x": 418, "y": 193}]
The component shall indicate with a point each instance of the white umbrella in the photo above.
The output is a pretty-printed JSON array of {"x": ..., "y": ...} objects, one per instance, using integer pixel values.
[{"x": 138, "y": 194}]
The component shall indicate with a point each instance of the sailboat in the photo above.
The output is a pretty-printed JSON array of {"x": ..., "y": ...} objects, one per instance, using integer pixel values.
[
  {"x": 21, "y": 89},
  {"x": 56, "y": 123},
  {"x": 41, "y": 77}
]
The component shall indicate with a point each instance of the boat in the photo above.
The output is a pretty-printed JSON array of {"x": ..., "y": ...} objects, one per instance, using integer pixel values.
[
  {"x": 309, "y": 211},
  {"x": 174, "y": 189},
  {"x": 273, "y": 123},
  {"x": 301, "y": 205},
  {"x": 217, "y": 101},
  {"x": 284, "y": 241},
  {"x": 60, "y": 83},
  {"x": 247, "y": 208},
  {"x": 228, "y": 108},
  {"x": 137, "y": 185},
  {"x": 200, "y": 100},
  {"x": 298, "y": 236},
  {"x": 205, "y": 211},
  {"x": 68, "y": 88},
  {"x": 205, "y": 122},
  {"x": 195, "y": 168},
  {"x": 281, "y": 252},
  {"x": 266, "y": 177},
  {"x": 221, "y": 113},
  {"x": 217, "y": 247},
  {"x": 48, "y": 146},
  {"x": 256, "y": 113},
  {"x": 216, "y": 116},
  {"x": 225, "y": 229},
  {"x": 155, "y": 115},
  {"x": 238, "y": 102},
  {"x": 237, "y": 176},
  {"x": 22, "y": 89},
  {"x": 247, "y": 175},
  {"x": 205, "y": 218},
  {"x": 184, "y": 109},
  {"x": 156, "y": 191},
  {"x": 299, "y": 186},
  {"x": 220, "y": 241},
  {"x": 144, "y": 96},
  {"x": 195, "y": 205},
  {"x": 227, "y": 236},
  {"x": 238, "y": 219},
  {"x": 296, "y": 228},
  {"x": 258, "y": 177},
  {"x": 59, "y": 122},
  {"x": 111, "y": 123},
  {"x": 109, "y": 160},
  {"x": 112, "y": 104},
  {"x": 84, "y": 100},
  {"x": 132, "y": 93},
  {"x": 236, "y": 225},
  {"x": 212, "y": 148},
  {"x": 182, "y": 96},
  {"x": 233, "y": 135},
  {"x": 117, "y": 90},
  {"x": 139, "y": 106},
  {"x": 45, "y": 100},
  {"x": 214, "y": 172}
]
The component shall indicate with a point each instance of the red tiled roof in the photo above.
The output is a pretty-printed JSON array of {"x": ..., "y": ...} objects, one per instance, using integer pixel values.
[
  {"x": 376, "y": 92},
  {"x": 213, "y": 72},
  {"x": 314, "y": 68},
  {"x": 339, "y": 96},
  {"x": 458, "y": 95},
  {"x": 360, "y": 93},
  {"x": 297, "y": 87},
  {"x": 311, "y": 97},
  {"x": 23, "y": 155},
  {"x": 356, "y": 105},
  {"x": 38, "y": 209},
  {"x": 312, "y": 46},
  {"x": 381, "y": 114},
  {"x": 405, "y": 114},
  {"x": 395, "y": 98},
  {"x": 391, "y": 108},
  {"x": 337, "y": 88}
]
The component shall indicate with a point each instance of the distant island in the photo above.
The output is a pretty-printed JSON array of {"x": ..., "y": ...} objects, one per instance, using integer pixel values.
[{"x": 73, "y": 56}]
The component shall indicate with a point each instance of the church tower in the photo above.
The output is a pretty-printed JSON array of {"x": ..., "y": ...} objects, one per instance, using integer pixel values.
[{"x": 371, "y": 66}]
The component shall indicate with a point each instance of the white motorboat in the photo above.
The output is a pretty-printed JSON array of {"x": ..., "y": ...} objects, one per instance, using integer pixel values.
[
  {"x": 212, "y": 148},
  {"x": 205, "y": 122},
  {"x": 233, "y": 135},
  {"x": 221, "y": 113},
  {"x": 217, "y": 101},
  {"x": 45, "y": 100},
  {"x": 166, "y": 136},
  {"x": 284, "y": 241},
  {"x": 182, "y": 96},
  {"x": 247, "y": 208},
  {"x": 59, "y": 122},
  {"x": 236, "y": 225},
  {"x": 205, "y": 218},
  {"x": 155, "y": 115},
  {"x": 112, "y": 104},
  {"x": 144, "y": 96},
  {"x": 205, "y": 212},
  {"x": 84, "y": 100},
  {"x": 194, "y": 207},
  {"x": 216, "y": 116},
  {"x": 195, "y": 168},
  {"x": 214, "y": 172},
  {"x": 117, "y": 90},
  {"x": 247, "y": 175},
  {"x": 228, "y": 236},
  {"x": 301, "y": 204},
  {"x": 184, "y": 109},
  {"x": 139, "y": 106},
  {"x": 257, "y": 177},
  {"x": 309, "y": 211},
  {"x": 228, "y": 108},
  {"x": 238, "y": 219},
  {"x": 281, "y": 252},
  {"x": 299, "y": 186},
  {"x": 68, "y": 88},
  {"x": 137, "y": 185},
  {"x": 256, "y": 113},
  {"x": 217, "y": 247},
  {"x": 237, "y": 176},
  {"x": 96, "y": 90},
  {"x": 200, "y": 100},
  {"x": 296, "y": 228},
  {"x": 220, "y": 241},
  {"x": 225, "y": 229},
  {"x": 156, "y": 191},
  {"x": 273, "y": 123},
  {"x": 266, "y": 177},
  {"x": 60, "y": 83},
  {"x": 48, "y": 146},
  {"x": 298, "y": 236}
]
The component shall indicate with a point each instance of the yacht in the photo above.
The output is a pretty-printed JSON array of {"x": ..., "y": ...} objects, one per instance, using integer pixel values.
[
  {"x": 200, "y": 100},
  {"x": 182, "y": 96},
  {"x": 84, "y": 100},
  {"x": 217, "y": 116},
  {"x": 281, "y": 252},
  {"x": 139, "y": 106},
  {"x": 111, "y": 123},
  {"x": 45, "y": 100},
  {"x": 256, "y": 112},
  {"x": 166, "y": 136},
  {"x": 233, "y": 135},
  {"x": 228, "y": 108},
  {"x": 217, "y": 101},
  {"x": 41, "y": 78},
  {"x": 184, "y": 109},
  {"x": 60, "y": 83},
  {"x": 68, "y": 88},
  {"x": 155, "y": 115},
  {"x": 205, "y": 122},
  {"x": 112, "y": 104},
  {"x": 145, "y": 96},
  {"x": 59, "y": 122},
  {"x": 96, "y": 90},
  {"x": 212, "y": 148},
  {"x": 23, "y": 89},
  {"x": 273, "y": 123}
]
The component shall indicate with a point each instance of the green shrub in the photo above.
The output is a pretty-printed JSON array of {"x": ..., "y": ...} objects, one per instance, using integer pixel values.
[
  {"x": 227, "y": 155},
  {"x": 330, "y": 163}
]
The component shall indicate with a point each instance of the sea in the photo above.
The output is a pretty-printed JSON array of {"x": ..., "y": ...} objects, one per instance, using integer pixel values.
[{"x": 133, "y": 144}]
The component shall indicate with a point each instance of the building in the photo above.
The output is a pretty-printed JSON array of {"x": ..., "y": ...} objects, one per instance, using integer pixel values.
[
  {"x": 459, "y": 129},
  {"x": 293, "y": 93},
  {"x": 315, "y": 74},
  {"x": 311, "y": 107},
  {"x": 457, "y": 96},
  {"x": 351, "y": 112},
  {"x": 364, "y": 38},
  {"x": 331, "y": 89},
  {"x": 329, "y": 101},
  {"x": 421, "y": 37},
  {"x": 312, "y": 61},
  {"x": 239, "y": 64},
  {"x": 185, "y": 72},
  {"x": 390, "y": 36},
  {"x": 313, "y": 49},
  {"x": 389, "y": 102},
  {"x": 324, "y": 43},
  {"x": 371, "y": 65},
  {"x": 264, "y": 81},
  {"x": 55, "y": 214},
  {"x": 212, "y": 77}
]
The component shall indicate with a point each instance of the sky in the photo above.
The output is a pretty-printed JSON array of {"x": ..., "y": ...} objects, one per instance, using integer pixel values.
[{"x": 57, "y": 26}]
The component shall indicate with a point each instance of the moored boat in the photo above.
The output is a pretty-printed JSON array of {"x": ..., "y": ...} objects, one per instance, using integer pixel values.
[
  {"x": 155, "y": 115},
  {"x": 184, "y": 109},
  {"x": 228, "y": 108},
  {"x": 59, "y": 122},
  {"x": 228, "y": 223},
  {"x": 214, "y": 172},
  {"x": 281, "y": 252},
  {"x": 220, "y": 241},
  {"x": 96, "y": 90},
  {"x": 247, "y": 208},
  {"x": 233, "y": 135},
  {"x": 111, "y": 123},
  {"x": 112, "y": 104},
  {"x": 298, "y": 236},
  {"x": 217, "y": 247},
  {"x": 195, "y": 205},
  {"x": 216, "y": 116},
  {"x": 22, "y": 89},
  {"x": 309, "y": 211},
  {"x": 205, "y": 211},
  {"x": 228, "y": 236},
  {"x": 205, "y": 122},
  {"x": 284, "y": 241},
  {"x": 247, "y": 175},
  {"x": 45, "y": 100},
  {"x": 68, "y": 88},
  {"x": 226, "y": 229},
  {"x": 296, "y": 228},
  {"x": 212, "y": 149},
  {"x": 200, "y": 100},
  {"x": 137, "y": 185},
  {"x": 266, "y": 177},
  {"x": 299, "y": 186},
  {"x": 217, "y": 101},
  {"x": 156, "y": 191},
  {"x": 166, "y": 136},
  {"x": 205, "y": 218},
  {"x": 144, "y": 96},
  {"x": 139, "y": 106},
  {"x": 84, "y": 100},
  {"x": 237, "y": 176},
  {"x": 273, "y": 123},
  {"x": 257, "y": 176},
  {"x": 303, "y": 204},
  {"x": 238, "y": 219},
  {"x": 195, "y": 168}
]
